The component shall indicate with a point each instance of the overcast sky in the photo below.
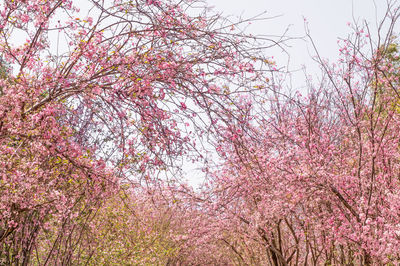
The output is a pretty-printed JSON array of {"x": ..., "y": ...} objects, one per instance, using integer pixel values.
[{"x": 327, "y": 20}]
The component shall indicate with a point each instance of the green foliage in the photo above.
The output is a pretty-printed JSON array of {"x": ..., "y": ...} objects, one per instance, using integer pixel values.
[{"x": 123, "y": 230}]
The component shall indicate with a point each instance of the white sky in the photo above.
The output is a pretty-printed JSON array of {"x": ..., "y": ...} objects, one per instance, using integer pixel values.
[{"x": 327, "y": 20}]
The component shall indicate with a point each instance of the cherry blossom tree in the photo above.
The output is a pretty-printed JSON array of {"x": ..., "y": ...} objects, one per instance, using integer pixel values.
[
  {"x": 94, "y": 94},
  {"x": 317, "y": 181},
  {"x": 101, "y": 103}
]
